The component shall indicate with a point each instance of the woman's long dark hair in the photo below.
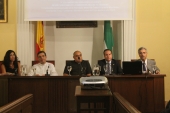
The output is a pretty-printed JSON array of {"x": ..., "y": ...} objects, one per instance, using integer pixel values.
[{"x": 7, "y": 60}]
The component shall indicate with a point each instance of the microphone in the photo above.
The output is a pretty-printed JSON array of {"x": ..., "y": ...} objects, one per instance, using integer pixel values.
[
  {"x": 148, "y": 72},
  {"x": 79, "y": 58},
  {"x": 81, "y": 68},
  {"x": 112, "y": 69},
  {"x": 47, "y": 71},
  {"x": 16, "y": 71},
  {"x": 34, "y": 70}
]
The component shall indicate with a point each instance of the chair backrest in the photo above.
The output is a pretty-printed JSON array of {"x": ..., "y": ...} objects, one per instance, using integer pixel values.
[
  {"x": 0, "y": 66},
  {"x": 117, "y": 61},
  {"x": 50, "y": 61},
  {"x": 133, "y": 60},
  {"x": 67, "y": 61}
]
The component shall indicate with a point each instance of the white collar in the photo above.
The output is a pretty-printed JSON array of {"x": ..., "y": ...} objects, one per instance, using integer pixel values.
[
  {"x": 145, "y": 62},
  {"x": 108, "y": 62},
  {"x": 42, "y": 64}
]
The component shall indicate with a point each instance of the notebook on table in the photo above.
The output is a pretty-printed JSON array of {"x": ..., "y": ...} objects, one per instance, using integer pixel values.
[{"x": 133, "y": 68}]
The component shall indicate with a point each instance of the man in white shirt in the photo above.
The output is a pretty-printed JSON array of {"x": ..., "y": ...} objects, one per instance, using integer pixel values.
[
  {"x": 42, "y": 68},
  {"x": 147, "y": 64}
]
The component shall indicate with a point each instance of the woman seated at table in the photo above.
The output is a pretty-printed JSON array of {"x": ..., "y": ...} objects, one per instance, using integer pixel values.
[{"x": 10, "y": 64}]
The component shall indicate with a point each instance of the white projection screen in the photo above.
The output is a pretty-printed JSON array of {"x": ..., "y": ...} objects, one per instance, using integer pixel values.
[{"x": 71, "y": 10}]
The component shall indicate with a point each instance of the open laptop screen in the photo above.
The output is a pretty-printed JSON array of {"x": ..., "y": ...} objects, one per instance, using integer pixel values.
[{"x": 134, "y": 68}]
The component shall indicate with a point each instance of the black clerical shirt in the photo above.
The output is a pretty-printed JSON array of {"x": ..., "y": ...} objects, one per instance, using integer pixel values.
[{"x": 82, "y": 68}]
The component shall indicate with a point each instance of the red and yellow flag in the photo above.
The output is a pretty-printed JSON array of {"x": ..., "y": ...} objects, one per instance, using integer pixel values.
[{"x": 40, "y": 40}]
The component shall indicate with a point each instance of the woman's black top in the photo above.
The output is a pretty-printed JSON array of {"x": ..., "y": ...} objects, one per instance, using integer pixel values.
[{"x": 12, "y": 70}]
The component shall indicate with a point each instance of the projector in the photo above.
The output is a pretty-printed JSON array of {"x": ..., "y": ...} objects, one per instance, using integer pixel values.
[{"x": 94, "y": 82}]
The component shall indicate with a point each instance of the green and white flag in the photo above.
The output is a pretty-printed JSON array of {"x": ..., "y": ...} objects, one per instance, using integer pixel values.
[{"x": 108, "y": 35}]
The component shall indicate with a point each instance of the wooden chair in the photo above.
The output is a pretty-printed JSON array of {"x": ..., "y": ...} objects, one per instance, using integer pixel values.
[
  {"x": 21, "y": 105},
  {"x": 67, "y": 61},
  {"x": 117, "y": 61},
  {"x": 50, "y": 61}
]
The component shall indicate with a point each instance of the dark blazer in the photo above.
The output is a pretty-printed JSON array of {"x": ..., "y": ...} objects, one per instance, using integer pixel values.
[
  {"x": 76, "y": 67},
  {"x": 115, "y": 66}
]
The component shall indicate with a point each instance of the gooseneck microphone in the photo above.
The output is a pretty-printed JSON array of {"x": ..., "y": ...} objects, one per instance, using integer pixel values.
[
  {"x": 47, "y": 74},
  {"x": 81, "y": 68},
  {"x": 16, "y": 70}
]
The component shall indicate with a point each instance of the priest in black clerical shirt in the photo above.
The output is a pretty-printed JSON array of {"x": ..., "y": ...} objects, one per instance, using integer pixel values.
[
  {"x": 78, "y": 66},
  {"x": 108, "y": 65}
]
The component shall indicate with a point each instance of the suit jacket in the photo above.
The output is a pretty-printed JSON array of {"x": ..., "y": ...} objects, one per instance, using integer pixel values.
[
  {"x": 115, "y": 66},
  {"x": 76, "y": 67},
  {"x": 150, "y": 64}
]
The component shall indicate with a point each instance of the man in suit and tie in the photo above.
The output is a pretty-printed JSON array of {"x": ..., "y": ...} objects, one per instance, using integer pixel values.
[
  {"x": 108, "y": 65},
  {"x": 147, "y": 64}
]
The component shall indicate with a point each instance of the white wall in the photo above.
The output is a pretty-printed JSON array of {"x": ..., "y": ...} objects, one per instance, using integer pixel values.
[
  {"x": 117, "y": 36},
  {"x": 62, "y": 42},
  {"x": 98, "y": 43},
  {"x": 49, "y": 30},
  {"x": 68, "y": 40}
]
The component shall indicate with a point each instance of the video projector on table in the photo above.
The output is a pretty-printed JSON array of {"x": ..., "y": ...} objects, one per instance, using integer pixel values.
[{"x": 94, "y": 82}]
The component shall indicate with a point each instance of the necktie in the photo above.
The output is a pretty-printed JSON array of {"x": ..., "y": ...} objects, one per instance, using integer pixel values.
[
  {"x": 143, "y": 65},
  {"x": 108, "y": 66}
]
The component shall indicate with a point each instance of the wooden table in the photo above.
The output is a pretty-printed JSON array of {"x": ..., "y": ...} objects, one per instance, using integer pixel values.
[{"x": 93, "y": 96}]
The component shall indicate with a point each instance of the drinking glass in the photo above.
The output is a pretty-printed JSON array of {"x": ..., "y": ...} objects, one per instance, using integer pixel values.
[
  {"x": 154, "y": 69},
  {"x": 83, "y": 70},
  {"x": 23, "y": 70},
  {"x": 69, "y": 68},
  {"x": 93, "y": 72},
  {"x": 96, "y": 70},
  {"x": 105, "y": 67}
]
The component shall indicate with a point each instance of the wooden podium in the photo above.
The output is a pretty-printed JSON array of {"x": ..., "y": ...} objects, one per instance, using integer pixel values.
[
  {"x": 93, "y": 96},
  {"x": 56, "y": 94}
]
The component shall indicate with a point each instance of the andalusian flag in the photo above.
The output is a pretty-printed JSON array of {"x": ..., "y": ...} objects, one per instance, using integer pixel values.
[
  {"x": 108, "y": 35},
  {"x": 40, "y": 41}
]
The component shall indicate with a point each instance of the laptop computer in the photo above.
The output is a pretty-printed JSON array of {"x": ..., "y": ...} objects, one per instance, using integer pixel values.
[{"x": 133, "y": 68}]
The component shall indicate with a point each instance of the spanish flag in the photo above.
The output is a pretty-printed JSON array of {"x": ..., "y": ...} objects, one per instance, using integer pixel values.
[{"x": 40, "y": 40}]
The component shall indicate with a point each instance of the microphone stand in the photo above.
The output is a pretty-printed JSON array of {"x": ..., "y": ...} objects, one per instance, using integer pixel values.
[{"x": 147, "y": 73}]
